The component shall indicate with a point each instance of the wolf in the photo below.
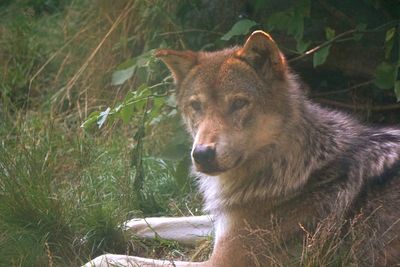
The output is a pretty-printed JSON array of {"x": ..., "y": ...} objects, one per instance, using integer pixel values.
[{"x": 277, "y": 170}]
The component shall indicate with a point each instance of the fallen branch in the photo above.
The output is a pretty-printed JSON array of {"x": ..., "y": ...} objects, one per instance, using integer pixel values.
[{"x": 185, "y": 230}]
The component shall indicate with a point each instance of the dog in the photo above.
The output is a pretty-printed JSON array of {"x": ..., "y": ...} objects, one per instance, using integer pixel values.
[{"x": 288, "y": 182}]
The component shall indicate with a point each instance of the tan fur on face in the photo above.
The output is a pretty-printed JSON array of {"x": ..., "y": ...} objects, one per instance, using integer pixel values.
[
  {"x": 214, "y": 85},
  {"x": 271, "y": 125}
]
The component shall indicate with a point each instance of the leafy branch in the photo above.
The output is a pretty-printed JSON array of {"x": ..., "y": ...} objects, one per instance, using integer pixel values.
[
  {"x": 360, "y": 29},
  {"x": 125, "y": 110}
]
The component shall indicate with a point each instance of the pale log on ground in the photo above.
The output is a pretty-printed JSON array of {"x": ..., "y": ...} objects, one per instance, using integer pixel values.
[
  {"x": 185, "y": 230},
  {"x": 113, "y": 260}
]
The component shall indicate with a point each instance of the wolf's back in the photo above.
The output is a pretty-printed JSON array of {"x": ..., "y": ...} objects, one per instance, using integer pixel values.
[{"x": 361, "y": 166}]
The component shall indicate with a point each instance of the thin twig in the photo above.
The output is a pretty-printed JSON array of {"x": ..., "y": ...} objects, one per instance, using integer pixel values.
[
  {"x": 334, "y": 92},
  {"x": 319, "y": 47},
  {"x": 190, "y": 31}
]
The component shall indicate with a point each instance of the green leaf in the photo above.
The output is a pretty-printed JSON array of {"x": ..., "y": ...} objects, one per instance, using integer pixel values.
[
  {"x": 242, "y": 27},
  {"x": 279, "y": 21},
  {"x": 302, "y": 46},
  {"x": 103, "y": 117},
  {"x": 388, "y": 48},
  {"x": 390, "y": 34},
  {"x": 329, "y": 33},
  {"x": 397, "y": 90},
  {"x": 141, "y": 74},
  {"x": 320, "y": 56},
  {"x": 389, "y": 41},
  {"x": 128, "y": 68},
  {"x": 127, "y": 64},
  {"x": 121, "y": 76},
  {"x": 92, "y": 119},
  {"x": 126, "y": 113},
  {"x": 296, "y": 26},
  {"x": 385, "y": 75},
  {"x": 157, "y": 104}
]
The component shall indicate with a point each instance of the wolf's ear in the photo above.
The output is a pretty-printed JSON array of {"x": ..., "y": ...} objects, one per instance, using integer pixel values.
[
  {"x": 262, "y": 53},
  {"x": 178, "y": 62}
]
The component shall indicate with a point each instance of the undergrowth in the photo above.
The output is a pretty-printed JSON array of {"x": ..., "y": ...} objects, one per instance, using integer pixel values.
[
  {"x": 65, "y": 191},
  {"x": 69, "y": 194}
]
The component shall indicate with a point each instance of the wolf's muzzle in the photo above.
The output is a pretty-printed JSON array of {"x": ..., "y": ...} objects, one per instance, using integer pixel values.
[{"x": 204, "y": 155}]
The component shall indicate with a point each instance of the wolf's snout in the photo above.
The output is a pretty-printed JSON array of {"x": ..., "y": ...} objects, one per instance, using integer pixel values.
[{"x": 204, "y": 155}]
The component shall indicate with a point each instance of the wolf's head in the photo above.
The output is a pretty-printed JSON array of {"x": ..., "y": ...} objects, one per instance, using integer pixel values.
[{"x": 234, "y": 102}]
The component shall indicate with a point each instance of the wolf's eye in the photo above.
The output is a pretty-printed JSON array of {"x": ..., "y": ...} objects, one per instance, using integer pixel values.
[
  {"x": 238, "y": 104},
  {"x": 195, "y": 105}
]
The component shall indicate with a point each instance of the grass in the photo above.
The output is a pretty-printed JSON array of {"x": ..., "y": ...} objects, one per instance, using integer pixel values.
[
  {"x": 65, "y": 191},
  {"x": 67, "y": 195}
]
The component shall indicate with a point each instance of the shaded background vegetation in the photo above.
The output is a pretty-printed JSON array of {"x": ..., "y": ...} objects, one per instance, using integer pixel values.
[{"x": 66, "y": 189}]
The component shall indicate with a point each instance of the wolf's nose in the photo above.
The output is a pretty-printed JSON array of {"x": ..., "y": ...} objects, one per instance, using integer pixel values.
[{"x": 204, "y": 154}]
